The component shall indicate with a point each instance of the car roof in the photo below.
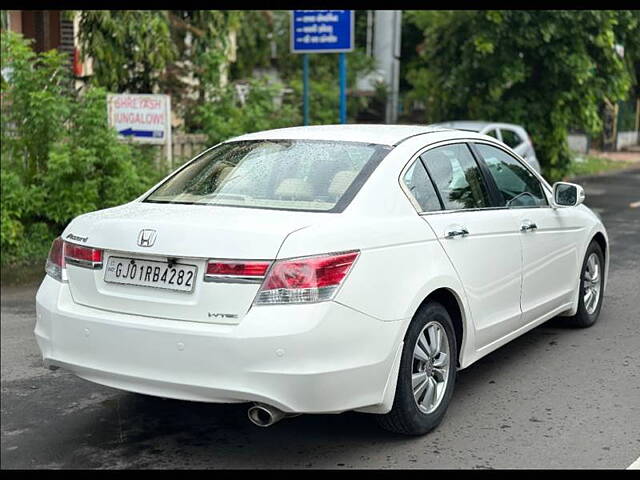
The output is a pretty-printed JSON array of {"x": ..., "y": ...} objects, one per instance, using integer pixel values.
[
  {"x": 473, "y": 125},
  {"x": 367, "y": 133}
]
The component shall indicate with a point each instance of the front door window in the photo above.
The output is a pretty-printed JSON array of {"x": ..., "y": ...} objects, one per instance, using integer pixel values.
[{"x": 518, "y": 187}]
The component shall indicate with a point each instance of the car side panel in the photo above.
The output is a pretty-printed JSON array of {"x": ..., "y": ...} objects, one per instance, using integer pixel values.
[{"x": 400, "y": 264}]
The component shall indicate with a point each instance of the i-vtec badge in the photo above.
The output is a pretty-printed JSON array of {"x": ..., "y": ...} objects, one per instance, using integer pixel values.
[
  {"x": 222, "y": 315},
  {"x": 146, "y": 238}
]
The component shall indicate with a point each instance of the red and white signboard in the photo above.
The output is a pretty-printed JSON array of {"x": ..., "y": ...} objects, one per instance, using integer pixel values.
[{"x": 144, "y": 118}]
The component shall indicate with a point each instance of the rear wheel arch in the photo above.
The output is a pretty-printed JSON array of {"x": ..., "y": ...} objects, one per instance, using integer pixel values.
[{"x": 453, "y": 304}]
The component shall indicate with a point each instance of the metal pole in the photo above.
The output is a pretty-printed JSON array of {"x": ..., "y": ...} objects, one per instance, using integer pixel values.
[
  {"x": 396, "y": 64},
  {"x": 369, "y": 33},
  {"x": 342, "y": 61},
  {"x": 305, "y": 88},
  {"x": 169, "y": 145}
]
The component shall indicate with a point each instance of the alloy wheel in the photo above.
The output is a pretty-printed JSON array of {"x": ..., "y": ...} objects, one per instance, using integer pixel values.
[
  {"x": 430, "y": 369},
  {"x": 592, "y": 283}
]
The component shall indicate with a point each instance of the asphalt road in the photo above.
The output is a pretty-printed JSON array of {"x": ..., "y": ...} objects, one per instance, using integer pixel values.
[{"x": 554, "y": 398}]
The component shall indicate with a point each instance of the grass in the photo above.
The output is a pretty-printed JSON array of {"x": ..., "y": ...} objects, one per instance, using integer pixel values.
[
  {"x": 591, "y": 164},
  {"x": 22, "y": 273}
]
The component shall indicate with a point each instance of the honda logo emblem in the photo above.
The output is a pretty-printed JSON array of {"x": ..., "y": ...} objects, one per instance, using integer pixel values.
[{"x": 147, "y": 238}]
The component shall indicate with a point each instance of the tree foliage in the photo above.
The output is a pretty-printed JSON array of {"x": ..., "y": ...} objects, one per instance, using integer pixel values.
[
  {"x": 130, "y": 48},
  {"x": 264, "y": 42},
  {"x": 546, "y": 70},
  {"x": 59, "y": 156},
  {"x": 193, "y": 56},
  {"x": 202, "y": 41},
  {"x": 227, "y": 116}
]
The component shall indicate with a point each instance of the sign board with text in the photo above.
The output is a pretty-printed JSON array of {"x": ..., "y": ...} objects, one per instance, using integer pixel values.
[
  {"x": 322, "y": 31},
  {"x": 144, "y": 118}
]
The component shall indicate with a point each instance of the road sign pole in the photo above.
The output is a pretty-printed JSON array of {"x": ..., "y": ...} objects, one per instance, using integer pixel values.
[
  {"x": 323, "y": 31},
  {"x": 305, "y": 88},
  {"x": 343, "y": 87},
  {"x": 168, "y": 145}
]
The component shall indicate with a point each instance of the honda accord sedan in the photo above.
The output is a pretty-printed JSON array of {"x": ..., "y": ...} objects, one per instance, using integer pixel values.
[{"x": 320, "y": 270}]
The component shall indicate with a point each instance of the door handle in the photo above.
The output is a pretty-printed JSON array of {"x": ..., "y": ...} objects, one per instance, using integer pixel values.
[
  {"x": 528, "y": 226},
  {"x": 458, "y": 232}
]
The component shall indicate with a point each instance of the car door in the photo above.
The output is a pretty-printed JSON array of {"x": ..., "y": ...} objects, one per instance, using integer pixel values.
[
  {"x": 482, "y": 242},
  {"x": 549, "y": 236}
]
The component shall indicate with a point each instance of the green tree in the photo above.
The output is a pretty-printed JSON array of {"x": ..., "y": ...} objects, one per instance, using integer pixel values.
[
  {"x": 228, "y": 116},
  {"x": 182, "y": 53},
  {"x": 202, "y": 40},
  {"x": 34, "y": 93},
  {"x": 264, "y": 41},
  {"x": 130, "y": 48},
  {"x": 60, "y": 158},
  {"x": 189, "y": 55},
  {"x": 546, "y": 70}
]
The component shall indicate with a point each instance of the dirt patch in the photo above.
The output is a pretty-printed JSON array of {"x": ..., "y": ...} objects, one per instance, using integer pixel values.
[{"x": 628, "y": 156}]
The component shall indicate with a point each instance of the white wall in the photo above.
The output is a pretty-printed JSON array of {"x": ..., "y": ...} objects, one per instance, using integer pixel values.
[
  {"x": 626, "y": 139},
  {"x": 578, "y": 142}
]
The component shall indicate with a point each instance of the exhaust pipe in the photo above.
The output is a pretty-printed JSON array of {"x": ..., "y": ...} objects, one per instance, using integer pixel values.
[{"x": 266, "y": 415}]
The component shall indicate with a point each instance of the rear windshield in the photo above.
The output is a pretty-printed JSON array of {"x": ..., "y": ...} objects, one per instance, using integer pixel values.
[{"x": 276, "y": 174}]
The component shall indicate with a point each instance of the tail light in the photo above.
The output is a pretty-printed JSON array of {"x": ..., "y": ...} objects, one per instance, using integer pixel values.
[
  {"x": 236, "y": 271},
  {"x": 63, "y": 253},
  {"x": 306, "y": 279},
  {"x": 55, "y": 260},
  {"x": 82, "y": 256}
]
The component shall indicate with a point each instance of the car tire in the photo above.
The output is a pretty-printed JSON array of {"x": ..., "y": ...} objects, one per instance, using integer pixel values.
[
  {"x": 588, "y": 309},
  {"x": 406, "y": 416}
]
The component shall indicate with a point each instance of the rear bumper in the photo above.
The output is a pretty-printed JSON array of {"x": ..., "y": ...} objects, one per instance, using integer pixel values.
[{"x": 317, "y": 358}]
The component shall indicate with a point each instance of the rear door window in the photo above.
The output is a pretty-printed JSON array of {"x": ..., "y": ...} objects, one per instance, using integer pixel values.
[
  {"x": 457, "y": 177},
  {"x": 421, "y": 187}
]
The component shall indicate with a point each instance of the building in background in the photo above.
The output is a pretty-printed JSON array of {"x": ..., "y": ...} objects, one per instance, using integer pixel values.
[{"x": 51, "y": 29}]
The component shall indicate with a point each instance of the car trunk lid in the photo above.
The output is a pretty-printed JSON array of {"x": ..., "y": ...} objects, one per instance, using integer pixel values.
[{"x": 184, "y": 234}]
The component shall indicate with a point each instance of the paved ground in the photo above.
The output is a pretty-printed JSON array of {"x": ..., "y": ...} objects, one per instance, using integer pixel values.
[{"x": 554, "y": 398}]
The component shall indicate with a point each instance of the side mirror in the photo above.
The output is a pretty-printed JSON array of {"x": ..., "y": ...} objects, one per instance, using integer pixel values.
[{"x": 567, "y": 194}]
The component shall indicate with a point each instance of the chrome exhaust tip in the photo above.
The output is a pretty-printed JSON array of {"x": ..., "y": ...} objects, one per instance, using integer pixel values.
[{"x": 265, "y": 415}]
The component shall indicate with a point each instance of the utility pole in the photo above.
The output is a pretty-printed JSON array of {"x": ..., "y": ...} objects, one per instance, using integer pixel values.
[
  {"x": 386, "y": 50},
  {"x": 369, "y": 32}
]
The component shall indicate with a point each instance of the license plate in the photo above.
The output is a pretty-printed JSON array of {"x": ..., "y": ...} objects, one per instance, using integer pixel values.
[{"x": 149, "y": 273}]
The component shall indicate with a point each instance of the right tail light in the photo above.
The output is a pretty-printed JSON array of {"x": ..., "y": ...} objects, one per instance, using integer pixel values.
[{"x": 305, "y": 279}]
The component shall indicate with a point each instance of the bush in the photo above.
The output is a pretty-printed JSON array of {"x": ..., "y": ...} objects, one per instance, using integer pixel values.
[
  {"x": 59, "y": 156},
  {"x": 226, "y": 116}
]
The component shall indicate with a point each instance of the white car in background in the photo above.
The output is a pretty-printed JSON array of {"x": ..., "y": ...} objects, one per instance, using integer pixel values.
[
  {"x": 320, "y": 270},
  {"x": 514, "y": 136}
]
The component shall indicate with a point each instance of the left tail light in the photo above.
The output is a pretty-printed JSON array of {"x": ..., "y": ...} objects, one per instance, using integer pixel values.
[
  {"x": 63, "y": 253},
  {"x": 55, "y": 260},
  {"x": 306, "y": 279}
]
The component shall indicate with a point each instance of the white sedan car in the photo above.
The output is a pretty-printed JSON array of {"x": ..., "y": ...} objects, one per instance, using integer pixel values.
[{"x": 320, "y": 270}]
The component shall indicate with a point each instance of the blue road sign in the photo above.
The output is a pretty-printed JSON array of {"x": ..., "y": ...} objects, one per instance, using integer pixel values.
[{"x": 322, "y": 31}]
